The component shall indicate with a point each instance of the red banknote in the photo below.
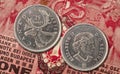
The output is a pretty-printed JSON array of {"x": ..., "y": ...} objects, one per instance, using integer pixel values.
[
  {"x": 13, "y": 58},
  {"x": 105, "y": 14}
]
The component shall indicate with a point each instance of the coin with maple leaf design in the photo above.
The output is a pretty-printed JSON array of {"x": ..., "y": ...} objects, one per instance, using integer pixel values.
[{"x": 37, "y": 28}]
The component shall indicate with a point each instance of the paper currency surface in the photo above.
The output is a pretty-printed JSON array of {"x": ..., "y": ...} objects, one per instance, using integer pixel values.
[{"x": 105, "y": 14}]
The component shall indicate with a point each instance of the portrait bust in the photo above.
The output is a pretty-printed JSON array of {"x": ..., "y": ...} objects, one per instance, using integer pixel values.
[{"x": 83, "y": 46}]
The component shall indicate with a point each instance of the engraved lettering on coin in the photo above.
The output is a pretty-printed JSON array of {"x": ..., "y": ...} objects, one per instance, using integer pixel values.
[
  {"x": 84, "y": 47},
  {"x": 37, "y": 28}
]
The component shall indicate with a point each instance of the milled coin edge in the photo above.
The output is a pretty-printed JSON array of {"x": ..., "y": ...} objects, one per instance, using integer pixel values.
[
  {"x": 87, "y": 69},
  {"x": 55, "y": 42}
]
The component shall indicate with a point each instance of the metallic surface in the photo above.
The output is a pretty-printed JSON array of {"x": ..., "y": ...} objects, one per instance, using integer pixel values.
[
  {"x": 84, "y": 47},
  {"x": 37, "y": 28}
]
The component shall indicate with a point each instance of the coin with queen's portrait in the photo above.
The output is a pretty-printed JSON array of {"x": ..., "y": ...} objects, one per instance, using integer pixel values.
[{"x": 84, "y": 47}]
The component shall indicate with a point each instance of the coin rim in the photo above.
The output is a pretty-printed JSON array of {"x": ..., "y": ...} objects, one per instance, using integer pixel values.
[
  {"x": 79, "y": 68},
  {"x": 43, "y": 49}
]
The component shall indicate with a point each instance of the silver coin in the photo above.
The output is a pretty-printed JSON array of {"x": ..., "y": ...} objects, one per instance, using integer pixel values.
[
  {"x": 37, "y": 28},
  {"x": 84, "y": 47}
]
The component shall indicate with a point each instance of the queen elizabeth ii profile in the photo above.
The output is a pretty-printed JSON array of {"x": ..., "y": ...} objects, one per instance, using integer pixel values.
[{"x": 84, "y": 46}]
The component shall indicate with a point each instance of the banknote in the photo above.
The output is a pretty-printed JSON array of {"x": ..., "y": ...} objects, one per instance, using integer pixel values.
[
  {"x": 105, "y": 14},
  {"x": 13, "y": 58}
]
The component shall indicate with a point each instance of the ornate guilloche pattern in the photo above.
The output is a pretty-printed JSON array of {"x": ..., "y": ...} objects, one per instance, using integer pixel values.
[{"x": 103, "y": 14}]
